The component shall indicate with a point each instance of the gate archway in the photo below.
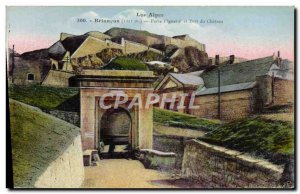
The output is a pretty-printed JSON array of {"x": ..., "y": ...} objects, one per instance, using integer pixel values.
[{"x": 115, "y": 131}]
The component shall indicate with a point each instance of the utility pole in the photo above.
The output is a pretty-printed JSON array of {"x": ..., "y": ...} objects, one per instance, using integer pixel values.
[
  {"x": 217, "y": 63},
  {"x": 219, "y": 93},
  {"x": 273, "y": 85},
  {"x": 12, "y": 61}
]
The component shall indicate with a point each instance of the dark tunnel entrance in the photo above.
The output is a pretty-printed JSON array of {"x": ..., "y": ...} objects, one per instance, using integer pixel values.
[{"x": 115, "y": 134}]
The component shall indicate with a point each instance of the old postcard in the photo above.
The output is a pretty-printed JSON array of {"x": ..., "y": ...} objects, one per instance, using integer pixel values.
[{"x": 150, "y": 97}]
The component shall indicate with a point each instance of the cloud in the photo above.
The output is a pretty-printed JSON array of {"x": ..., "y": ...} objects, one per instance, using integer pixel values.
[{"x": 87, "y": 15}]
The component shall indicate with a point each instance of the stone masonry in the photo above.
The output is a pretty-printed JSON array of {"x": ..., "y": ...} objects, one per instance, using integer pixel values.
[{"x": 218, "y": 167}]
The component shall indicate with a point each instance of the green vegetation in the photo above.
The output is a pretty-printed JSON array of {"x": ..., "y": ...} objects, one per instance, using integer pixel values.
[
  {"x": 41, "y": 96},
  {"x": 125, "y": 63},
  {"x": 175, "y": 119},
  {"x": 269, "y": 136},
  {"x": 163, "y": 130},
  {"x": 146, "y": 56},
  {"x": 37, "y": 140},
  {"x": 255, "y": 135}
]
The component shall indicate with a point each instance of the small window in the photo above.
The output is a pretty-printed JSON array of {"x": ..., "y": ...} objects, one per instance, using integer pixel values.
[{"x": 30, "y": 76}]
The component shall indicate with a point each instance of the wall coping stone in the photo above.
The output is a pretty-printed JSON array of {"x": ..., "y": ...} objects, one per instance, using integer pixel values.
[
  {"x": 159, "y": 153},
  {"x": 117, "y": 73},
  {"x": 244, "y": 158}
]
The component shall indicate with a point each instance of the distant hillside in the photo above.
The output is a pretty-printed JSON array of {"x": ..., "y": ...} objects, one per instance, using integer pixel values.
[
  {"x": 182, "y": 51},
  {"x": 190, "y": 59},
  {"x": 143, "y": 37}
]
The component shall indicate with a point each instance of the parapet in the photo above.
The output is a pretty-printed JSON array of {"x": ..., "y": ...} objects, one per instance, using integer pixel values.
[{"x": 116, "y": 78}]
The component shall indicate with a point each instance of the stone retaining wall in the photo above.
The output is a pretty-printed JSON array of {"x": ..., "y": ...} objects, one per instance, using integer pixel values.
[
  {"x": 66, "y": 171},
  {"x": 70, "y": 117},
  {"x": 155, "y": 159},
  {"x": 218, "y": 167},
  {"x": 170, "y": 144},
  {"x": 57, "y": 78}
]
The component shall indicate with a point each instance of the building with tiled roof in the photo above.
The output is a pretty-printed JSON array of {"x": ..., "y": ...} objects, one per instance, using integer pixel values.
[{"x": 234, "y": 90}]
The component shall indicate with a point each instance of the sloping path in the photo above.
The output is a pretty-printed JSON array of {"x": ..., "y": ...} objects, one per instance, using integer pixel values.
[{"x": 122, "y": 173}]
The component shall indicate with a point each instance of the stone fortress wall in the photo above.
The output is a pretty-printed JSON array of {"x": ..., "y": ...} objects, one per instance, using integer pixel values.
[
  {"x": 129, "y": 47},
  {"x": 57, "y": 78},
  {"x": 234, "y": 105},
  {"x": 240, "y": 104},
  {"x": 181, "y": 43},
  {"x": 94, "y": 45},
  {"x": 134, "y": 47},
  {"x": 219, "y": 167}
]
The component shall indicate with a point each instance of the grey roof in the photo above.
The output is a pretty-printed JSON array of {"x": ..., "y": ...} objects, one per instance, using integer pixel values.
[
  {"x": 243, "y": 72},
  {"x": 286, "y": 71},
  {"x": 284, "y": 74},
  {"x": 35, "y": 55},
  {"x": 228, "y": 88},
  {"x": 195, "y": 73},
  {"x": 57, "y": 50},
  {"x": 187, "y": 79},
  {"x": 72, "y": 43},
  {"x": 287, "y": 64}
]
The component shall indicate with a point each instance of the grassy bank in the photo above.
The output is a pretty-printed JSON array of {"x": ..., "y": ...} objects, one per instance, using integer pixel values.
[
  {"x": 41, "y": 96},
  {"x": 175, "y": 119},
  {"x": 37, "y": 140},
  {"x": 257, "y": 135}
]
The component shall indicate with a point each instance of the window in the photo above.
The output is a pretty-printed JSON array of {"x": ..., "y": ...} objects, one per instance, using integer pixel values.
[{"x": 30, "y": 76}]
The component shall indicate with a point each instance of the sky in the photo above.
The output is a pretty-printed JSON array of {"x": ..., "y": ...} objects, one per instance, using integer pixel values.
[{"x": 247, "y": 32}]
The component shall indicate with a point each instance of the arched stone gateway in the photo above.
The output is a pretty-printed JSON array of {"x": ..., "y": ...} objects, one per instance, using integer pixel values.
[
  {"x": 99, "y": 124},
  {"x": 115, "y": 130}
]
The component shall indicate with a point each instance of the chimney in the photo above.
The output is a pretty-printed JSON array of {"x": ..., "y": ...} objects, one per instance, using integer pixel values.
[
  {"x": 279, "y": 60},
  {"x": 274, "y": 56},
  {"x": 210, "y": 61},
  {"x": 217, "y": 60},
  {"x": 231, "y": 59},
  {"x": 122, "y": 41}
]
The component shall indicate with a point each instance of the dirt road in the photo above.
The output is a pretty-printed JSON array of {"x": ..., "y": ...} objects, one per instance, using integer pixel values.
[{"x": 122, "y": 173}]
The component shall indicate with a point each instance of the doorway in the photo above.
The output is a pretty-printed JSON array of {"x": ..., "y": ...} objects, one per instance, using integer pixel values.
[{"x": 115, "y": 134}]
